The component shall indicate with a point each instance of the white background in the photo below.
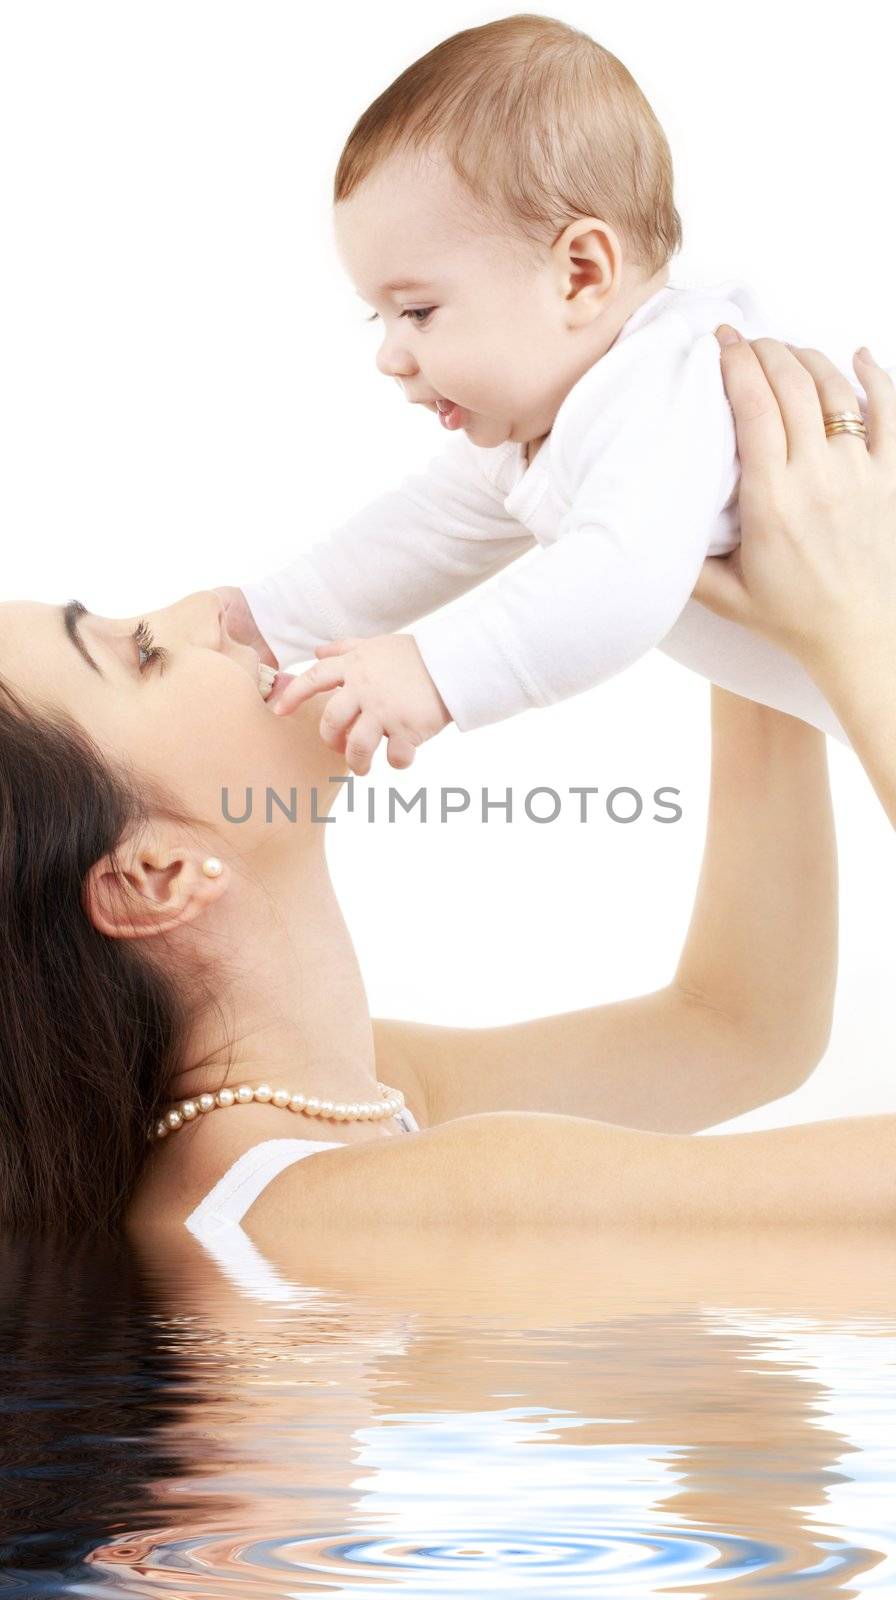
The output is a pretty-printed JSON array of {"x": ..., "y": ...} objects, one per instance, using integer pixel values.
[{"x": 188, "y": 394}]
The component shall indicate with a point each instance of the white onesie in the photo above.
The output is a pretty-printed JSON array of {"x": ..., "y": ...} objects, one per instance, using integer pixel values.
[{"x": 634, "y": 486}]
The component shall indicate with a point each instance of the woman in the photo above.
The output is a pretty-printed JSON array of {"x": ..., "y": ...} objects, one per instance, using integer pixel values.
[{"x": 132, "y": 978}]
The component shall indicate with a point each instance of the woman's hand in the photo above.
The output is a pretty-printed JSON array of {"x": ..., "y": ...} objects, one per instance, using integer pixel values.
[{"x": 816, "y": 569}]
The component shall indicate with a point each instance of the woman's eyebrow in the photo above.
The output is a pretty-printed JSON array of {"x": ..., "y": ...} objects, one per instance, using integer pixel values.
[{"x": 71, "y": 611}]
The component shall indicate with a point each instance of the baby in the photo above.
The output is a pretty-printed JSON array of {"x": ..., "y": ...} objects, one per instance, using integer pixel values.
[{"x": 506, "y": 207}]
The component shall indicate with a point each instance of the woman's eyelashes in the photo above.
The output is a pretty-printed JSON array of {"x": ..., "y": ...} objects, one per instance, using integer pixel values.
[{"x": 145, "y": 644}]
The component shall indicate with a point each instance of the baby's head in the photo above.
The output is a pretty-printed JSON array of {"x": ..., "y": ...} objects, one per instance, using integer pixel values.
[{"x": 518, "y": 186}]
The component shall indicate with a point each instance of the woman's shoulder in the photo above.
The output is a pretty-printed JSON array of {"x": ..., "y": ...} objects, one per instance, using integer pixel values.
[
  {"x": 182, "y": 1172},
  {"x": 466, "y": 1172}
]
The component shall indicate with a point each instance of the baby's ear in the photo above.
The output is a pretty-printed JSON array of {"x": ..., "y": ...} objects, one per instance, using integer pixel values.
[{"x": 589, "y": 260}]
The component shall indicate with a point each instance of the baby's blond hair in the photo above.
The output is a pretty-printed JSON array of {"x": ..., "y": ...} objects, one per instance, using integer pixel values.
[{"x": 540, "y": 123}]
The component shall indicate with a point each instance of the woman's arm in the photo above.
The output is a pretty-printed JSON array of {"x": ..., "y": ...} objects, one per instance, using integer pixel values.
[
  {"x": 512, "y": 1168},
  {"x": 746, "y": 1016},
  {"x": 816, "y": 569},
  {"x": 860, "y": 683}
]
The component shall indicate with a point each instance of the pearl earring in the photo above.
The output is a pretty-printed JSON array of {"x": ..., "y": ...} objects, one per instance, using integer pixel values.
[{"x": 212, "y": 867}]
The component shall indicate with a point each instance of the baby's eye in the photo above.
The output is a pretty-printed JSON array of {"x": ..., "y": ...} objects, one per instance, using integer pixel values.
[{"x": 413, "y": 313}]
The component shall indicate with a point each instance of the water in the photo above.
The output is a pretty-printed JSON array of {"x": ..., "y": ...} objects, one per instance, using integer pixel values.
[{"x": 526, "y": 1415}]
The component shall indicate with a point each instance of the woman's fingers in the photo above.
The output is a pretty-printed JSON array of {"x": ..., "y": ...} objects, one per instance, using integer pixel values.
[
  {"x": 835, "y": 394},
  {"x": 881, "y": 416},
  {"x": 796, "y": 398},
  {"x": 761, "y": 439}
]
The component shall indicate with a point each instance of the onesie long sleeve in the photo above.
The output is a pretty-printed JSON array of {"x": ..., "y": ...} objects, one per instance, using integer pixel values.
[
  {"x": 644, "y": 457},
  {"x": 634, "y": 486},
  {"x": 409, "y": 550}
]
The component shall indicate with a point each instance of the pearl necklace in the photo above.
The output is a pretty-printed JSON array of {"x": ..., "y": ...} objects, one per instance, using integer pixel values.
[{"x": 334, "y": 1110}]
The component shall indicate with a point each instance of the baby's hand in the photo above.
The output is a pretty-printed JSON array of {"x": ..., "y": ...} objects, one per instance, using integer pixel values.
[{"x": 383, "y": 690}]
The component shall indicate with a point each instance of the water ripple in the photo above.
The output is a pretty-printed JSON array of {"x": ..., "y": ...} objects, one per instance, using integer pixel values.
[{"x": 498, "y": 1560}]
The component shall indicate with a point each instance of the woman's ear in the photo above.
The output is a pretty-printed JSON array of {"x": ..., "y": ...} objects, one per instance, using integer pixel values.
[{"x": 158, "y": 885}]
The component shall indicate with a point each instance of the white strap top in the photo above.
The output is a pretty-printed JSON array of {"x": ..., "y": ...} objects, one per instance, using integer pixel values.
[{"x": 215, "y": 1223}]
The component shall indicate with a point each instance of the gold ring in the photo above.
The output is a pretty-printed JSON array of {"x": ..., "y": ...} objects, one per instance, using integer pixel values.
[{"x": 844, "y": 422}]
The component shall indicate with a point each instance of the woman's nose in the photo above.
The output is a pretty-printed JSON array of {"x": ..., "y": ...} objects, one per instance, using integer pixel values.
[{"x": 196, "y": 619}]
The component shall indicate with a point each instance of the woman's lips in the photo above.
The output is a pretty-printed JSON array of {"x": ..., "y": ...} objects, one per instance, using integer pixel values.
[{"x": 280, "y": 683}]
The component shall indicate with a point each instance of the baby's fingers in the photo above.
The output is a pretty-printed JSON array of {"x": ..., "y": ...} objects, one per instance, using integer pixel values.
[
  {"x": 341, "y": 710},
  {"x": 361, "y": 743},
  {"x": 400, "y": 750},
  {"x": 317, "y": 680}
]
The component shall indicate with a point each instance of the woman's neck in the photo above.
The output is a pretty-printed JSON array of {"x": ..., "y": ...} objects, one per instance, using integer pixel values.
[{"x": 291, "y": 1010}]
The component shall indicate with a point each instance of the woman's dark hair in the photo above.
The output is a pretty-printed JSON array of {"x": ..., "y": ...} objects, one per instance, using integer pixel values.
[{"x": 91, "y": 1028}]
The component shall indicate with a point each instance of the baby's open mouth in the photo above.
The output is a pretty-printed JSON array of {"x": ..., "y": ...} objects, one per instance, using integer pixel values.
[{"x": 451, "y": 415}]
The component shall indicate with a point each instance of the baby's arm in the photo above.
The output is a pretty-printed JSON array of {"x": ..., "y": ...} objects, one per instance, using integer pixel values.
[
  {"x": 410, "y": 550},
  {"x": 649, "y": 471},
  {"x": 647, "y": 457}
]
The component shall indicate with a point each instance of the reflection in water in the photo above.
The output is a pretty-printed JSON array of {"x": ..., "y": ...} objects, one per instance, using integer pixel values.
[
  {"x": 92, "y": 1387},
  {"x": 517, "y": 1415}
]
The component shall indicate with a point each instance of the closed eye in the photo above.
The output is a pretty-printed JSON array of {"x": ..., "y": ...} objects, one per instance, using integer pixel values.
[{"x": 146, "y": 644}]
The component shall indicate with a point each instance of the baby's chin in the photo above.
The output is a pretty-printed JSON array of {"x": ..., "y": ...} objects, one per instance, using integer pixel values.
[{"x": 488, "y": 433}]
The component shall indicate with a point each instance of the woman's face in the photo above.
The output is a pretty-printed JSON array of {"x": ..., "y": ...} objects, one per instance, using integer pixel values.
[{"x": 195, "y": 722}]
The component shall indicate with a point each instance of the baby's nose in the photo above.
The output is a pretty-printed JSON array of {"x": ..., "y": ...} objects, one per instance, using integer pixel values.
[{"x": 394, "y": 362}]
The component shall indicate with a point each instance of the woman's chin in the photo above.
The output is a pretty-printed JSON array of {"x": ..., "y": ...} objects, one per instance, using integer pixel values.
[{"x": 303, "y": 725}]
